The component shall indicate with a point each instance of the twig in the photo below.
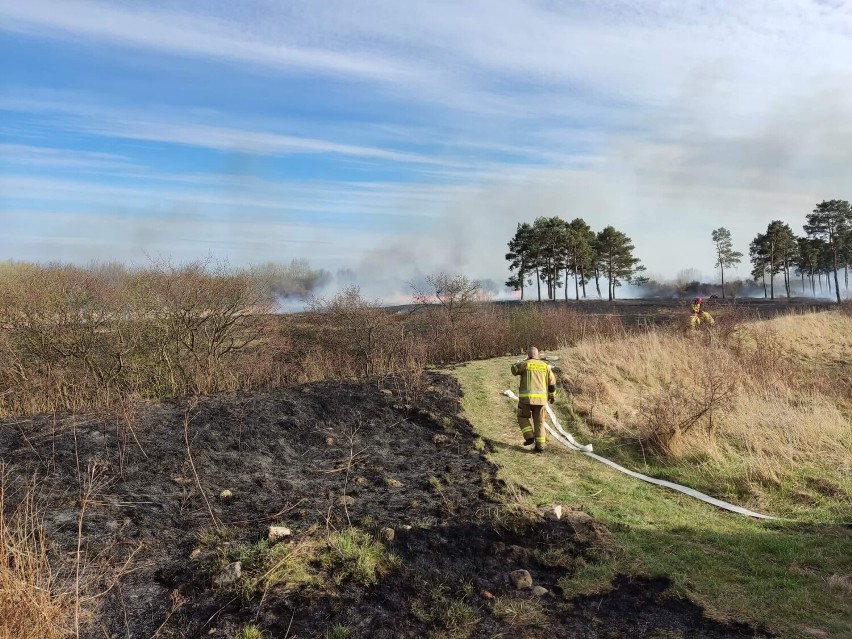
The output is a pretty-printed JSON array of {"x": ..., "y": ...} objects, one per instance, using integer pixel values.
[
  {"x": 268, "y": 517},
  {"x": 186, "y": 419},
  {"x": 287, "y": 632}
]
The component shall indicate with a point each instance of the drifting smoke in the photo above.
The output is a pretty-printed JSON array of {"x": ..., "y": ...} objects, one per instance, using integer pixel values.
[{"x": 289, "y": 283}]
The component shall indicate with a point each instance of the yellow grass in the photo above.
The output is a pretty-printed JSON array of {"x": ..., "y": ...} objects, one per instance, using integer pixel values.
[
  {"x": 32, "y": 606},
  {"x": 775, "y": 396}
]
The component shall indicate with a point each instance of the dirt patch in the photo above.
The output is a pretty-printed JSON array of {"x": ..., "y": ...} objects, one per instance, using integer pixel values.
[{"x": 338, "y": 464}]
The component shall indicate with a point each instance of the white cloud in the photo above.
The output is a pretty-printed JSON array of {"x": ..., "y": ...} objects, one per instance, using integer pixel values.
[
  {"x": 50, "y": 157},
  {"x": 180, "y": 32},
  {"x": 666, "y": 118}
]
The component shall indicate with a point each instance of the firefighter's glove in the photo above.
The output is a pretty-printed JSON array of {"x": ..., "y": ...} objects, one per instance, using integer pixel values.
[{"x": 551, "y": 398}]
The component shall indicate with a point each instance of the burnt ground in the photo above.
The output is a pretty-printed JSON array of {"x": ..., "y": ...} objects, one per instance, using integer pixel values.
[
  {"x": 289, "y": 457},
  {"x": 655, "y": 311}
]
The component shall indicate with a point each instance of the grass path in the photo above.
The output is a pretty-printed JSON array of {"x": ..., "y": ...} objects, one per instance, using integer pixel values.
[{"x": 793, "y": 579}]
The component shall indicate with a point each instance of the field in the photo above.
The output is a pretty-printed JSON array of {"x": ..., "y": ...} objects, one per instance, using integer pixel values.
[
  {"x": 781, "y": 443},
  {"x": 381, "y": 442}
]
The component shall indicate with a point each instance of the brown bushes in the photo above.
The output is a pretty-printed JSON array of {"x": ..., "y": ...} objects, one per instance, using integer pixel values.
[{"x": 76, "y": 339}]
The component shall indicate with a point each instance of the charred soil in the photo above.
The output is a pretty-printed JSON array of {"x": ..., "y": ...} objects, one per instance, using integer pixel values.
[{"x": 397, "y": 525}]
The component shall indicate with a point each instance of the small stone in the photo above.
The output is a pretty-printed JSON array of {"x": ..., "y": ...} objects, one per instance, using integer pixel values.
[
  {"x": 575, "y": 517},
  {"x": 346, "y": 500},
  {"x": 521, "y": 579},
  {"x": 387, "y": 534},
  {"x": 195, "y": 553},
  {"x": 329, "y": 441},
  {"x": 553, "y": 512},
  {"x": 386, "y": 391},
  {"x": 393, "y": 483},
  {"x": 540, "y": 591},
  {"x": 486, "y": 594},
  {"x": 228, "y": 575},
  {"x": 406, "y": 527},
  {"x": 226, "y": 494},
  {"x": 440, "y": 439},
  {"x": 277, "y": 533},
  {"x": 360, "y": 481}
]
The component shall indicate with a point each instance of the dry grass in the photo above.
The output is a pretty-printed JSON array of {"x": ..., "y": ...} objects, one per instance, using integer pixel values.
[
  {"x": 766, "y": 398},
  {"x": 33, "y": 602}
]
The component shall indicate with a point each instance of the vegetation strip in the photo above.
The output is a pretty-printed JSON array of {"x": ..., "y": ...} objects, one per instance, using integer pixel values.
[{"x": 555, "y": 429}]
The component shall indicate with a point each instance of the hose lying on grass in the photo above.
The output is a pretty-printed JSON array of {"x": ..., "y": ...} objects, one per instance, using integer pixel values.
[{"x": 566, "y": 439}]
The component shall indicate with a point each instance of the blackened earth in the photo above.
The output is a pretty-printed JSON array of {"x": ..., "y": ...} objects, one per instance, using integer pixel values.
[{"x": 411, "y": 465}]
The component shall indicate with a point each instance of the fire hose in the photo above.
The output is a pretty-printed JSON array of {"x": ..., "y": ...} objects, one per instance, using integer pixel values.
[{"x": 566, "y": 439}]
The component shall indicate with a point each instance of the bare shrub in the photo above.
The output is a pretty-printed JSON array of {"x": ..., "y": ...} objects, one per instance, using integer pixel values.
[
  {"x": 682, "y": 406},
  {"x": 80, "y": 338},
  {"x": 73, "y": 338},
  {"x": 363, "y": 336}
]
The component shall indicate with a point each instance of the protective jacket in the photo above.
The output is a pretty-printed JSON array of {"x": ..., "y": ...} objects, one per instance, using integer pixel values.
[
  {"x": 696, "y": 308},
  {"x": 538, "y": 383}
]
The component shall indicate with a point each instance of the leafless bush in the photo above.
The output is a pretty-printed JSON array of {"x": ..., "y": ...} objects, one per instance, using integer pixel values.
[
  {"x": 687, "y": 405},
  {"x": 73, "y": 338},
  {"x": 80, "y": 338}
]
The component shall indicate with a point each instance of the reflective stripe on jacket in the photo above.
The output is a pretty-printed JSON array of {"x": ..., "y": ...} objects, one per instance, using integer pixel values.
[{"x": 537, "y": 381}]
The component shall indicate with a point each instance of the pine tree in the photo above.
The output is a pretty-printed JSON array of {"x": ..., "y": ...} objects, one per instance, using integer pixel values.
[
  {"x": 830, "y": 221},
  {"x": 521, "y": 258},
  {"x": 582, "y": 251},
  {"x": 615, "y": 250},
  {"x": 781, "y": 248},
  {"x": 726, "y": 256}
]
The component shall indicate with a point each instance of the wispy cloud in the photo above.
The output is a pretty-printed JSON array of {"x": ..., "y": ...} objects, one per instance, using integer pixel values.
[
  {"x": 51, "y": 157},
  {"x": 666, "y": 117},
  {"x": 181, "y": 32}
]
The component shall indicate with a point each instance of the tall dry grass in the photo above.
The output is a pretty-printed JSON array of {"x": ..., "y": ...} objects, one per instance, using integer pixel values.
[
  {"x": 35, "y": 602},
  {"x": 766, "y": 398}
]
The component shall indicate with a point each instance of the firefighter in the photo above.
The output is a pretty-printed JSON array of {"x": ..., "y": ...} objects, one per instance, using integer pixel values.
[
  {"x": 538, "y": 384},
  {"x": 698, "y": 316}
]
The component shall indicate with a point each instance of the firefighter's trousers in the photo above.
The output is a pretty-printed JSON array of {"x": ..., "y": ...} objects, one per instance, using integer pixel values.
[
  {"x": 531, "y": 422},
  {"x": 703, "y": 318}
]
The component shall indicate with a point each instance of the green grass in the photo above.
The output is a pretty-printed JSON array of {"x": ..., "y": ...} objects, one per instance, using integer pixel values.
[
  {"x": 446, "y": 608},
  {"x": 789, "y": 577},
  {"x": 339, "y": 631},
  {"x": 283, "y": 566},
  {"x": 249, "y": 632},
  {"x": 356, "y": 555}
]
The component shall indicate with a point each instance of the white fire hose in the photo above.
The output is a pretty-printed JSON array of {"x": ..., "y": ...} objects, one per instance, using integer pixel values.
[{"x": 566, "y": 439}]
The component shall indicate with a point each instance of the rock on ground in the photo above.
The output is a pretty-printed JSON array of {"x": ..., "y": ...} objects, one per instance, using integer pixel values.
[{"x": 521, "y": 579}]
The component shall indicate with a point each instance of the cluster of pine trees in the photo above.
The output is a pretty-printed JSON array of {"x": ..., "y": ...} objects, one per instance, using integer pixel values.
[
  {"x": 552, "y": 251},
  {"x": 825, "y": 248}
]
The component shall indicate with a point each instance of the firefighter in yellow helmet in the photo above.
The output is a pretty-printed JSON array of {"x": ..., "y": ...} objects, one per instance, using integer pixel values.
[
  {"x": 538, "y": 385},
  {"x": 698, "y": 316}
]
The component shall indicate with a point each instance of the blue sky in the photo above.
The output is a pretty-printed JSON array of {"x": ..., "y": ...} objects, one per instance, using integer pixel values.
[{"x": 404, "y": 137}]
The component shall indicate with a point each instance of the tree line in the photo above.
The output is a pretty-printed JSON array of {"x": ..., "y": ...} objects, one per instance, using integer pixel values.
[
  {"x": 553, "y": 251},
  {"x": 823, "y": 250}
]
